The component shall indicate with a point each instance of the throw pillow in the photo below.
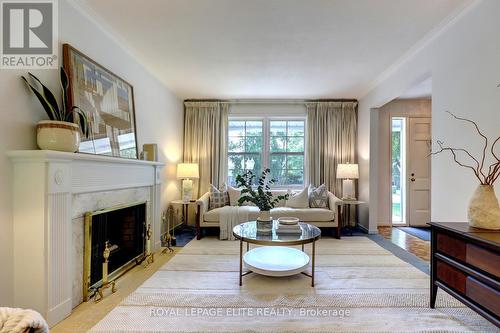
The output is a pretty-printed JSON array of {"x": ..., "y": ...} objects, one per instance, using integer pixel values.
[
  {"x": 298, "y": 200},
  {"x": 318, "y": 196},
  {"x": 234, "y": 195},
  {"x": 218, "y": 197}
]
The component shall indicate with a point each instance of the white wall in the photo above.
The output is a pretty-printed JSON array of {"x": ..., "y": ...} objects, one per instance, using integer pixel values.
[
  {"x": 463, "y": 61},
  {"x": 159, "y": 117},
  {"x": 395, "y": 108},
  {"x": 261, "y": 109}
]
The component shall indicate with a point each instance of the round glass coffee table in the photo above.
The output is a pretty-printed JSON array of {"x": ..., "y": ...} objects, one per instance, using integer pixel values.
[{"x": 276, "y": 257}]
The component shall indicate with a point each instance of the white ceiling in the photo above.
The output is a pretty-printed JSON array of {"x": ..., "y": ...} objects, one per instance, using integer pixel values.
[{"x": 270, "y": 48}]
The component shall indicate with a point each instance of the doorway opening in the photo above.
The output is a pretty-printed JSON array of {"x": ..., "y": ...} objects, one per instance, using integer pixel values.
[
  {"x": 400, "y": 134},
  {"x": 398, "y": 170}
]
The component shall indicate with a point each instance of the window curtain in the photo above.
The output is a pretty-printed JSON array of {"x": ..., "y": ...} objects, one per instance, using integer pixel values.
[
  {"x": 205, "y": 133},
  {"x": 331, "y": 140}
]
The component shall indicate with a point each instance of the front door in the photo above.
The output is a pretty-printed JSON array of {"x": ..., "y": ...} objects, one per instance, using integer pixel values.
[{"x": 419, "y": 172}]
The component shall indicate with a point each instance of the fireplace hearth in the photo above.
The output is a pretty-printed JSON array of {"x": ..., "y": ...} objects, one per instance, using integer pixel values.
[{"x": 118, "y": 233}]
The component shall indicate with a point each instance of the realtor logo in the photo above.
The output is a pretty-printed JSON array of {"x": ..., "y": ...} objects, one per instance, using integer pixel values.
[{"x": 29, "y": 34}]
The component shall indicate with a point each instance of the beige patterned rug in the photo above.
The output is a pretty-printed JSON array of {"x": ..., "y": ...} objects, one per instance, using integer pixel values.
[{"x": 360, "y": 287}]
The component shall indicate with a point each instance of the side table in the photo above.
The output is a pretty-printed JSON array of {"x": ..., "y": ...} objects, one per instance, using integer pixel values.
[
  {"x": 344, "y": 218},
  {"x": 185, "y": 212}
]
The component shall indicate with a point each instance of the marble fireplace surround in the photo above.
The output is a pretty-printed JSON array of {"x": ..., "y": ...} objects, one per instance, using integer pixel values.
[
  {"x": 90, "y": 202},
  {"x": 52, "y": 190}
]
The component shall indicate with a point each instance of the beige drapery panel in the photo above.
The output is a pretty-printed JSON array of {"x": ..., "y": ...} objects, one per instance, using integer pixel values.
[
  {"x": 331, "y": 140},
  {"x": 205, "y": 128}
]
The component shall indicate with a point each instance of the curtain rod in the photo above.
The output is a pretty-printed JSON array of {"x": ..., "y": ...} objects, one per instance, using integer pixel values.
[{"x": 271, "y": 101}]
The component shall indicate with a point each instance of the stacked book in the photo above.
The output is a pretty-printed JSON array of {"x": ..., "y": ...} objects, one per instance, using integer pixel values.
[{"x": 282, "y": 229}]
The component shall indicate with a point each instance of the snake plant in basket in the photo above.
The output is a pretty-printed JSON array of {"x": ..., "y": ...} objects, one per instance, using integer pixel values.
[
  {"x": 62, "y": 131},
  {"x": 261, "y": 196}
]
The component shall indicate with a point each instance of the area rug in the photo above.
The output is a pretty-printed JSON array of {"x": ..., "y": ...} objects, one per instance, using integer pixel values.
[
  {"x": 424, "y": 233},
  {"x": 360, "y": 287}
]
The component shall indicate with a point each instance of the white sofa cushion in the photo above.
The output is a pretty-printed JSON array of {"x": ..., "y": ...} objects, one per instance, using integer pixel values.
[
  {"x": 304, "y": 214},
  {"x": 235, "y": 193},
  {"x": 213, "y": 215}
]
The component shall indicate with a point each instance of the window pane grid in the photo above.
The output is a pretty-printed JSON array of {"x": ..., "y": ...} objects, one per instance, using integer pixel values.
[
  {"x": 284, "y": 172},
  {"x": 257, "y": 144},
  {"x": 287, "y": 151},
  {"x": 244, "y": 147}
]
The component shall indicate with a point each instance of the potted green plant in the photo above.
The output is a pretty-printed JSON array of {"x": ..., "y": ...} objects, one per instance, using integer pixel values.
[
  {"x": 261, "y": 196},
  {"x": 60, "y": 132}
]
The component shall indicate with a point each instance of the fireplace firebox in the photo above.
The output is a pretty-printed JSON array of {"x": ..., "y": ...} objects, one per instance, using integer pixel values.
[{"x": 115, "y": 241}]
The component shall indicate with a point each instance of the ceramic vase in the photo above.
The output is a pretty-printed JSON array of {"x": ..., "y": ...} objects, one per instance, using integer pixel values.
[{"x": 484, "y": 210}]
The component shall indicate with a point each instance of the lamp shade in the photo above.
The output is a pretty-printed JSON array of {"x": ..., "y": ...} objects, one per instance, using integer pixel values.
[
  {"x": 347, "y": 171},
  {"x": 187, "y": 170}
]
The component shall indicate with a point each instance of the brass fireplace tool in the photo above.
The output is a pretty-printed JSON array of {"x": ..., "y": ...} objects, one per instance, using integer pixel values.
[
  {"x": 105, "y": 283},
  {"x": 168, "y": 240},
  {"x": 149, "y": 257}
]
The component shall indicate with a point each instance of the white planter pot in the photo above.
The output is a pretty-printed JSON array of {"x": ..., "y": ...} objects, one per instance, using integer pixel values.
[
  {"x": 484, "y": 211},
  {"x": 58, "y": 135},
  {"x": 265, "y": 215},
  {"x": 264, "y": 222}
]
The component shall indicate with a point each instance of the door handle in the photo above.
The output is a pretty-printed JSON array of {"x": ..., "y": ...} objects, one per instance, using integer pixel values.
[{"x": 412, "y": 179}]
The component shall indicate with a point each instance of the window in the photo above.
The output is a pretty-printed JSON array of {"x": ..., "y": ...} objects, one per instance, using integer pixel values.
[
  {"x": 274, "y": 143},
  {"x": 286, "y": 149},
  {"x": 244, "y": 148},
  {"x": 398, "y": 169}
]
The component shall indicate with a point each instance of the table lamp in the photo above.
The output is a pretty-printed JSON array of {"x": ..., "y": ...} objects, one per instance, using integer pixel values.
[
  {"x": 348, "y": 172},
  {"x": 186, "y": 172}
]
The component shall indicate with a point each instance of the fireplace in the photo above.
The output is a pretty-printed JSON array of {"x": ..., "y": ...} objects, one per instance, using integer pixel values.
[{"x": 120, "y": 233}]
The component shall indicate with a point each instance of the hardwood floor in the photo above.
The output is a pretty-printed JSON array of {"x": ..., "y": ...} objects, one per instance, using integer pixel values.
[
  {"x": 87, "y": 314},
  {"x": 412, "y": 244}
]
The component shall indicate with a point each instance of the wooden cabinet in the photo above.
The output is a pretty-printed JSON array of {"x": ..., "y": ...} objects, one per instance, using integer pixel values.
[{"x": 465, "y": 262}]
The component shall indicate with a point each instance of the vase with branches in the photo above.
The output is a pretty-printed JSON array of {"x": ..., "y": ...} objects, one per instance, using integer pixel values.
[
  {"x": 62, "y": 130},
  {"x": 261, "y": 196},
  {"x": 484, "y": 210}
]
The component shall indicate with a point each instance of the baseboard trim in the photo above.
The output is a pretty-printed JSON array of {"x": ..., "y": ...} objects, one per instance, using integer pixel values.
[
  {"x": 363, "y": 228},
  {"x": 59, "y": 312},
  {"x": 366, "y": 230}
]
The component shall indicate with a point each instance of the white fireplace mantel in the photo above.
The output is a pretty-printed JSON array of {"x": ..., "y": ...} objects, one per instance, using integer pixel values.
[{"x": 44, "y": 183}]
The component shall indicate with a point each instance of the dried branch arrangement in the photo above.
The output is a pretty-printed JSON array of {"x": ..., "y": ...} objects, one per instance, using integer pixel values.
[{"x": 475, "y": 164}]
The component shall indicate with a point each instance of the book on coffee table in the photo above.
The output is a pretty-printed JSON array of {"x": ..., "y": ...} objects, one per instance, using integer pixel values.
[{"x": 288, "y": 229}]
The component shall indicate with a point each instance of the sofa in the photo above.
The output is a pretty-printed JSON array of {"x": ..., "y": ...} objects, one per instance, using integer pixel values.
[{"x": 320, "y": 217}]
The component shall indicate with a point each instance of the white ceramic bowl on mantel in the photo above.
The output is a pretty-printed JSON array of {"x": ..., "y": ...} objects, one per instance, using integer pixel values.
[{"x": 58, "y": 135}]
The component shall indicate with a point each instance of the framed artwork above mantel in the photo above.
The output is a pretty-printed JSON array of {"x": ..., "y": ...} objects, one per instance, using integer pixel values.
[{"x": 108, "y": 101}]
